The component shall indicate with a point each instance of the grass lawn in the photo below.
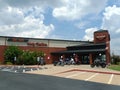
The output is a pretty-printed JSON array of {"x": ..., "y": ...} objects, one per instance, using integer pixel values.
[{"x": 114, "y": 67}]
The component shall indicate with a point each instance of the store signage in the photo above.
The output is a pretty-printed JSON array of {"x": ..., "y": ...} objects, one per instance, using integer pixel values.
[
  {"x": 41, "y": 44},
  {"x": 37, "y": 44},
  {"x": 100, "y": 36},
  {"x": 17, "y": 39}
]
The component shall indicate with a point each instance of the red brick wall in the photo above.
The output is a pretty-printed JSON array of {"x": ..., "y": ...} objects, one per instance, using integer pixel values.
[
  {"x": 46, "y": 50},
  {"x": 2, "y": 49},
  {"x": 103, "y": 37}
]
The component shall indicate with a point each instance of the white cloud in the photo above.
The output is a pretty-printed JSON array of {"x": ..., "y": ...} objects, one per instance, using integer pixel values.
[
  {"x": 76, "y": 9},
  {"x": 29, "y": 3},
  {"x": 115, "y": 45},
  {"x": 82, "y": 24},
  {"x": 24, "y": 18},
  {"x": 31, "y": 27},
  {"x": 111, "y": 21},
  {"x": 10, "y": 16},
  {"x": 89, "y": 34},
  {"x": 111, "y": 17},
  {"x": 25, "y": 23}
]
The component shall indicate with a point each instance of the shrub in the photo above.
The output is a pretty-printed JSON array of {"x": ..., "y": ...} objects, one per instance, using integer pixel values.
[
  {"x": 11, "y": 52},
  {"x": 9, "y": 63},
  {"x": 22, "y": 57}
]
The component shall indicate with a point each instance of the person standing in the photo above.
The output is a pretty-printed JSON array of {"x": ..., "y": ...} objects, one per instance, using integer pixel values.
[{"x": 38, "y": 61}]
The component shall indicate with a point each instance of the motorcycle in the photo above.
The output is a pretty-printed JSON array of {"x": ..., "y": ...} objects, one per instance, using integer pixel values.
[{"x": 98, "y": 63}]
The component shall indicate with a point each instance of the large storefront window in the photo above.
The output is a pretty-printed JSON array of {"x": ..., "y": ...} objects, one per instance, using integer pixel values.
[
  {"x": 85, "y": 59},
  {"x": 101, "y": 57}
]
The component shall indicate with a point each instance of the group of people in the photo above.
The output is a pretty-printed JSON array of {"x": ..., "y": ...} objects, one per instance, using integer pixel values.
[{"x": 40, "y": 61}]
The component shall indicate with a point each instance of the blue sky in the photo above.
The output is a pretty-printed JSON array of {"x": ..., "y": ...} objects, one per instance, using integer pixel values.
[{"x": 61, "y": 19}]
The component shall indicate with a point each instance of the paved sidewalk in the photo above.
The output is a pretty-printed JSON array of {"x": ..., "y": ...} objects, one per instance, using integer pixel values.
[
  {"x": 82, "y": 72},
  {"x": 52, "y": 70}
]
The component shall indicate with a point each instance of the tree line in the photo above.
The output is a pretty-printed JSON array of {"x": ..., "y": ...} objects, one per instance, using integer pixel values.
[{"x": 115, "y": 59}]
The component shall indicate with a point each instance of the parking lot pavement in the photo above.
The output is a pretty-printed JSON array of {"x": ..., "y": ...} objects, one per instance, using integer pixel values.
[
  {"x": 22, "y": 81},
  {"x": 83, "y": 72},
  {"x": 80, "y": 72},
  {"x": 94, "y": 77}
]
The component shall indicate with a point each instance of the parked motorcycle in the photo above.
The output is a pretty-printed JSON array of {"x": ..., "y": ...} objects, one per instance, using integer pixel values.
[
  {"x": 98, "y": 63},
  {"x": 58, "y": 63}
]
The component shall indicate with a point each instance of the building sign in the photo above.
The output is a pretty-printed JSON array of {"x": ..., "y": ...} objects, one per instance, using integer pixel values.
[
  {"x": 31, "y": 43},
  {"x": 41, "y": 44},
  {"x": 100, "y": 36},
  {"x": 17, "y": 39},
  {"x": 37, "y": 44}
]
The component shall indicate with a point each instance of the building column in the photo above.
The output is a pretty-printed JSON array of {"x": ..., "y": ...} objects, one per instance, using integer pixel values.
[
  {"x": 108, "y": 59},
  {"x": 80, "y": 58},
  {"x": 91, "y": 58}
]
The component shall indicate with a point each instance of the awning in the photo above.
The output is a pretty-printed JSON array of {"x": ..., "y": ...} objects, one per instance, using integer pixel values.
[{"x": 79, "y": 51}]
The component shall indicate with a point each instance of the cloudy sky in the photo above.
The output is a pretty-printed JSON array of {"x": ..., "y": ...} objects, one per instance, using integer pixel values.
[{"x": 61, "y": 19}]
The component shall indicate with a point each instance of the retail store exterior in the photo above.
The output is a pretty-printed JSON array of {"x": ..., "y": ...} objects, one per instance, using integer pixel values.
[{"x": 85, "y": 51}]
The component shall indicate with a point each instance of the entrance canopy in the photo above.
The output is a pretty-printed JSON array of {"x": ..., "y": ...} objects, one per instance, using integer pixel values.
[
  {"x": 89, "y": 48},
  {"x": 79, "y": 51}
]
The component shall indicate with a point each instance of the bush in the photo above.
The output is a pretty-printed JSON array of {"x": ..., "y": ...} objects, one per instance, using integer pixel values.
[
  {"x": 29, "y": 57},
  {"x": 11, "y": 52},
  {"x": 22, "y": 57},
  {"x": 9, "y": 63}
]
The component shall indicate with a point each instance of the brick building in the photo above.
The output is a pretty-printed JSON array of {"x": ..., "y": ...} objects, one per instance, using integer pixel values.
[{"x": 85, "y": 51}]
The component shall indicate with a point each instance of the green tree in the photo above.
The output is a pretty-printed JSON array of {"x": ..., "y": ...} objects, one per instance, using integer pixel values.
[
  {"x": 11, "y": 52},
  {"x": 27, "y": 58},
  {"x": 22, "y": 57},
  {"x": 115, "y": 59},
  {"x": 30, "y": 57}
]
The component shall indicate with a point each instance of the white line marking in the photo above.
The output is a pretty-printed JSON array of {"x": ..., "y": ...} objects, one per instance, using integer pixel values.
[
  {"x": 73, "y": 75},
  {"x": 110, "y": 80},
  {"x": 91, "y": 77}
]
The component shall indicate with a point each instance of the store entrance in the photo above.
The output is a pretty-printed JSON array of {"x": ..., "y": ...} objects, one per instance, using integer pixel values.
[
  {"x": 101, "y": 57},
  {"x": 85, "y": 59}
]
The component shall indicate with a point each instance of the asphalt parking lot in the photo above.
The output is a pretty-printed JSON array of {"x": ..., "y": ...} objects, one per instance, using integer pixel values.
[
  {"x": 82, "y": 72},
  {"x": 22, "y": 81}
]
